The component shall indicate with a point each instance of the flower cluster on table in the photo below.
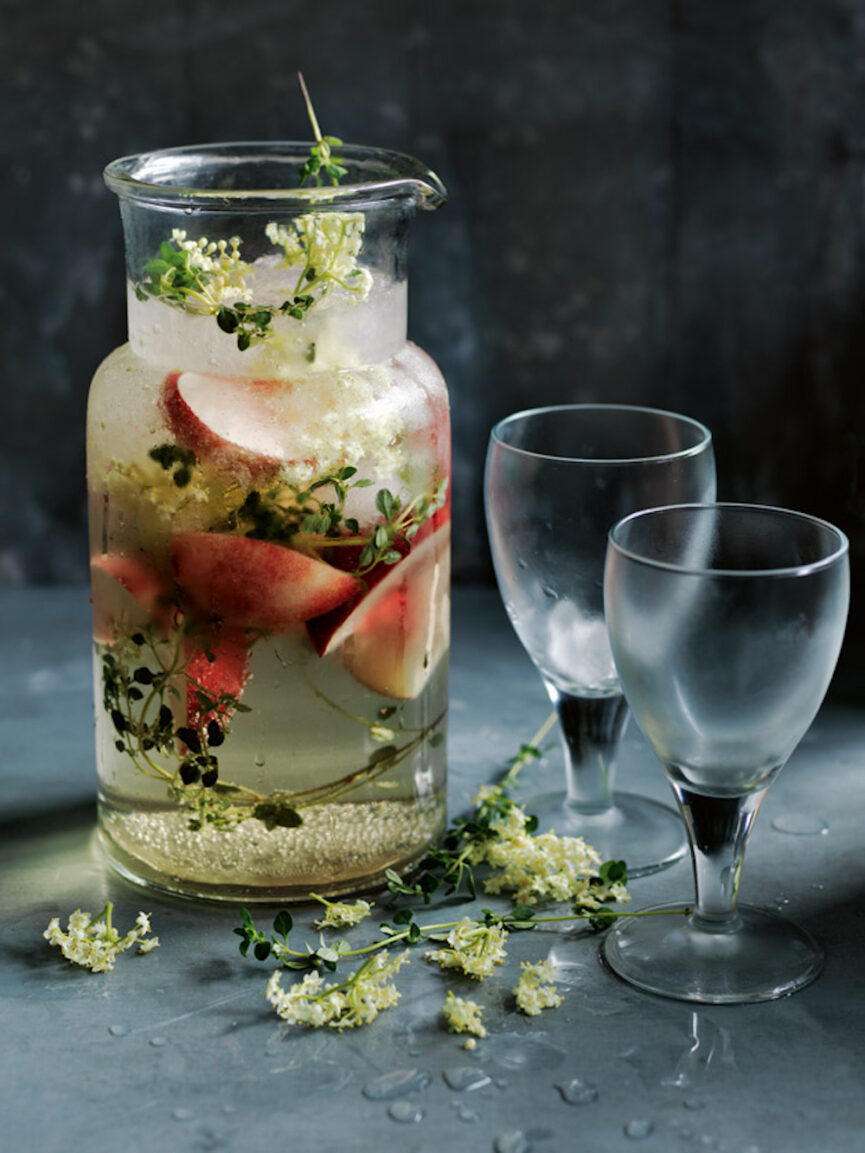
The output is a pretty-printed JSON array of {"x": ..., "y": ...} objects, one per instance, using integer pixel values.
[{"x": 499, "y": 836}]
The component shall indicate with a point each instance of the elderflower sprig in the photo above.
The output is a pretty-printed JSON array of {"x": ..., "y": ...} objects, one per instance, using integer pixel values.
[
  {"x": 472, "y": 948},
  {"x": 93, "y": 942},
  {"x": 199, "y": 275},
  {"x": 535, "y": 989},
  {"x": 463, "y": 1016},
  {"x": 341, "y": 914},
  {"x": 543, "y": 867},
  {"x": 356, "y": 1001},
  {"x": 321, "y": 251}
]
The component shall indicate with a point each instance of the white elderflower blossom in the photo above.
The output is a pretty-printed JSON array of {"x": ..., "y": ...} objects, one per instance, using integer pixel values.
[
  {"x": 537, "y": 867},
  {"x": 475, "y": 949},
  {"x": 535, "y": 989},
  {"x": 339, "y": 914},
  {"x": 93, "y": 942},
  {"x": 544, "y": 867},
  {"x": 463, "y": 1016},
  {"x": 356, "y": 1001},
  {"x": 324, "y": 246},
  {"x": 221, "y": 273}
]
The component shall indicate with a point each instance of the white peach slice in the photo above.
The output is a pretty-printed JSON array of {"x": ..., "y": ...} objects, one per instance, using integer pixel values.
[
  {"x": 126, "y": 594},
  {"x": 217, "y": 665},
  {"x": 254, "y": 584},
  {"x": 224, "y": 420},
  {"x": 395, "y": 636}
]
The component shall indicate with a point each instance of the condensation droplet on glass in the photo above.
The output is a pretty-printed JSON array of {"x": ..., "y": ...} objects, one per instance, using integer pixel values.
[
  {"x": 639, "y": 1129},
  {"x": 800, "y": 824},
  {"x": 577, "y": 1092},
  {"x": 406, "y": 1112},
  {"x": 514, "y": 1141},
  {"x": 259, "y": 760},
  {"x": 550, "y": 593},
  {"x": 396, "y": 1084},
  {"x": 463, "y": 1078},
  {"x": 118, "y": 1030}
]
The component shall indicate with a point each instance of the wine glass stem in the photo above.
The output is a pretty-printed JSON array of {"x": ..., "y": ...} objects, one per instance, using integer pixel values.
[
  {"x": 591, "y": 730},
  {"x": 718, "y": 829}
]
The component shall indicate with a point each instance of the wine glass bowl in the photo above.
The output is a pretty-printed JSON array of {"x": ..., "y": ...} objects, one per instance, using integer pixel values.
[
  {"x": 726, "y": 622},
  {"x": 557, "y": 479}
]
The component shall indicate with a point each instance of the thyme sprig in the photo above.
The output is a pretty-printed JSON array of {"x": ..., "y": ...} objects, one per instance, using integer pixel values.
[
  {"x": 321, "y": 155},
  {"x": 321, "y": 250},
  {"x": 451, "y": 866},
  {"x": 140, "y": 679},
  {"x": 404, "y": 929},
  {"x": 312, "y": 519}
]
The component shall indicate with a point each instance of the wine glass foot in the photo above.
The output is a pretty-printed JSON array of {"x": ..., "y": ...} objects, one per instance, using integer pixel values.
[
  {"x": 764, "y": 958},
  {"x": 647, "y": 835}
]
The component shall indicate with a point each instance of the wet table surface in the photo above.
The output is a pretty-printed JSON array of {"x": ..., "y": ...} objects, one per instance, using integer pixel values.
[{"x": 179, "y": 1050}]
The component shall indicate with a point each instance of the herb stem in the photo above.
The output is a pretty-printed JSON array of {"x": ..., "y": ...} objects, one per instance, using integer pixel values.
[
  {"x": 527, "y": 752},
  {"x": 310, "y": 111}
]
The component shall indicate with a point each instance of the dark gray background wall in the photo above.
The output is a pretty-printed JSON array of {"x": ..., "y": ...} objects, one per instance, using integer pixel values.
[{"x": 652, "y": 201}]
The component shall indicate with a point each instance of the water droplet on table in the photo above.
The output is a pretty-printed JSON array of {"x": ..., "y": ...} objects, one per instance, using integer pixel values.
[
  {"x": 468, "y": 1115},
  {"x": 800, "y": 824},
  {"x": 638, "y": 1129},
  {"x": 514, "y": 1141},
  {"x": 158, "y": 1042},
  {"x": 396, "y": 1084},
  {"x": 406, "y": 1112},
  {"x": 577, "y": 1092},
  {"x": 526, "y": 1055},
  {"x": 182, "y": 1114},
  {"x": 118, "y": 1030},
  {"x": 464, "y": 1078}
]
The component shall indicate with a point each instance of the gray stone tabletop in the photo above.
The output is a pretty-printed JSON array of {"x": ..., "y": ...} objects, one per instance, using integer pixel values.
[{"x": 178, "y": 1050}]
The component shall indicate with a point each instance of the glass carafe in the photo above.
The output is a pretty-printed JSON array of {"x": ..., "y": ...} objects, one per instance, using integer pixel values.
[{"x": 268, "y": 467}]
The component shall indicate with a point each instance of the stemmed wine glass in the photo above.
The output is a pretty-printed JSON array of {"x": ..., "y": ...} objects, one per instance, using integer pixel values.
[
  {"x": 556, "y": 480},
  {"x": 726, "y": 622}
]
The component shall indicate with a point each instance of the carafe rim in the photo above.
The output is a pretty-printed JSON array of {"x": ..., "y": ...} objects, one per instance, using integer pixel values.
[{"x": 152, "y": 178}]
